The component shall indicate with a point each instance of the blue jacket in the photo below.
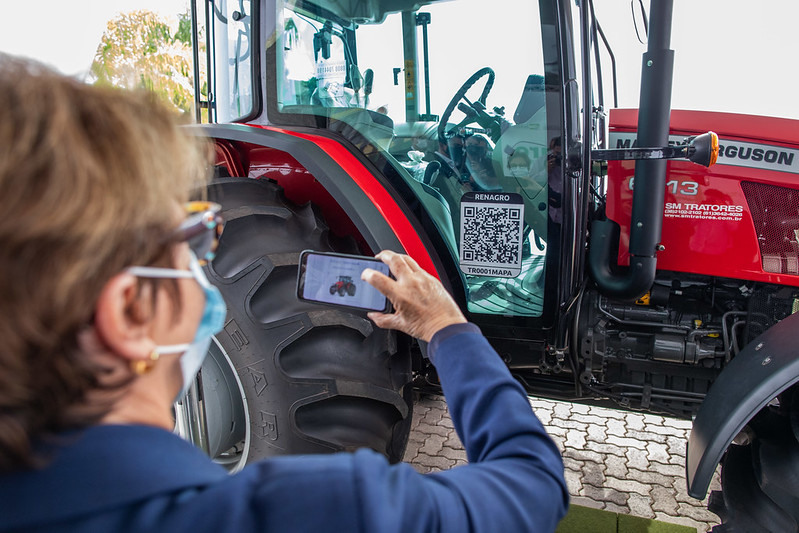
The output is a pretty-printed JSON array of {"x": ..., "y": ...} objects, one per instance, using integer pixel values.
[{"x": 111, "y": 479}]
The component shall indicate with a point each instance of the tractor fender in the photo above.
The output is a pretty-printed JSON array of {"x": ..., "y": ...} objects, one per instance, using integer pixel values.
[
  {"x": 763, "y": 369},
  {"x": 374, "y": 210}
]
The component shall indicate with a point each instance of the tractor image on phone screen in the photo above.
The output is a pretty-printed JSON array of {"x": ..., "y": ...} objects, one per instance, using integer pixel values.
[{"x": 344, "y": 286}]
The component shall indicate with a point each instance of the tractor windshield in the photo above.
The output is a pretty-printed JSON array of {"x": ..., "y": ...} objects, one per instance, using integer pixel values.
[{"x": 455, "y": 100}]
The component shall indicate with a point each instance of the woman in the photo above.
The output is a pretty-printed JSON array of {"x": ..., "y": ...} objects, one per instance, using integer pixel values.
[{"x": 106, "y": 316}]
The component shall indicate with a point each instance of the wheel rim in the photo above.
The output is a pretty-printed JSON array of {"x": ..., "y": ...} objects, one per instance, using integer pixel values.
[
  {"x": 232, "y": 406},
  {"x": 226, "y": 417}
]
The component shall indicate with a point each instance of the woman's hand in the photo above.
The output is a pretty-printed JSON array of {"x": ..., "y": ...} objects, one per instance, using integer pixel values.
[{"x": 421, "y": 305}]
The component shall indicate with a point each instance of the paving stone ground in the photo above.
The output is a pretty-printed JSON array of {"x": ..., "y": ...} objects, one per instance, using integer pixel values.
[{"x": 623, "y": 462}]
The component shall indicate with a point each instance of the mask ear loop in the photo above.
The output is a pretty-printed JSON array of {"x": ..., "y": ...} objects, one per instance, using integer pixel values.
[
  {"x": 158, "y": 272},
  {"x": 174, "y": 348}
]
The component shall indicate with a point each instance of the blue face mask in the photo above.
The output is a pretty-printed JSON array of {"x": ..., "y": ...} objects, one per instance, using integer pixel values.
[{"x": 212, "y": 321}]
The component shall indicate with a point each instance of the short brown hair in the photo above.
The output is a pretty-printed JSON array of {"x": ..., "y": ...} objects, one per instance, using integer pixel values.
[{"x": 89, "y": 180}]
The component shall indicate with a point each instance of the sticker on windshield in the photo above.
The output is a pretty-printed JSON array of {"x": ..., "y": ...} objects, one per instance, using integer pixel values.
[{"x": 491, "y": 234}]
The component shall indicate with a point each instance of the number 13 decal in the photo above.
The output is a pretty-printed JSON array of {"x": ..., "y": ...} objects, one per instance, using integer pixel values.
[{"x": 686, "y": 188}]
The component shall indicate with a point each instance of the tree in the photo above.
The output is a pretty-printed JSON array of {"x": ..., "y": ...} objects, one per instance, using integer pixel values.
[{"x": 140, "y": 50}]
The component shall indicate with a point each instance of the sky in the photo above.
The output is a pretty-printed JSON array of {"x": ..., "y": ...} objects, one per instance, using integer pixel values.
[
  {"x": 731, "y": 55},
  {"x": 65, "y": 33}
]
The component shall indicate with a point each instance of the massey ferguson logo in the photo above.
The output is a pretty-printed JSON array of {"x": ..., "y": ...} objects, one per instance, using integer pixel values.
[
  {"x": 741, "y": 151},
  {"x": 736, "y": 153}
]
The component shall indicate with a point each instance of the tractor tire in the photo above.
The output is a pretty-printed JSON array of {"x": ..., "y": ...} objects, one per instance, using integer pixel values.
[
  {"x": 316, "y": 379},
  {"x": 760, "y": 481}
]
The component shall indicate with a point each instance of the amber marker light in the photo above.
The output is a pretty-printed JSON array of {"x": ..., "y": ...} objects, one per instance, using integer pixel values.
[
  {"x": 704, "y": 149},
  {"x": 714, "y": 148}
]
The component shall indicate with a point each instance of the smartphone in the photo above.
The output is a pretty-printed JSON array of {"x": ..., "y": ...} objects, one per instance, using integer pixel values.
[{"x": 335, "y": 279}]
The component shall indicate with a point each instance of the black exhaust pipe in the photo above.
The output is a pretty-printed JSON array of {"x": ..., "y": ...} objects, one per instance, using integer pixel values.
[{"x": 650, "y": 174}]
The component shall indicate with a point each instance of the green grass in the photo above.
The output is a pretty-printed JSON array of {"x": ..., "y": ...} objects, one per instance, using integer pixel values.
[{"x": 587, "y": 520}]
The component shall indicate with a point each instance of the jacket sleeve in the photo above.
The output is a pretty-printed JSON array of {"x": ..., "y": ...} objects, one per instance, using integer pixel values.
[{"x": 514, "y": 480}]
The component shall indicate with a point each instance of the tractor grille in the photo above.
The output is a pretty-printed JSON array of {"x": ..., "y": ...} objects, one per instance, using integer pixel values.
[{"x": 775, "y": 213}]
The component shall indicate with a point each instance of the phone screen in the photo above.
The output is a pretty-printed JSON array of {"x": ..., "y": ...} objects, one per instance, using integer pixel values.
[{"x": 336, "y": 279}]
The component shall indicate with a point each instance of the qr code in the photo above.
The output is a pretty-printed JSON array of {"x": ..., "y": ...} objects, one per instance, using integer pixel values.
[{"x": 491, "y": 234}]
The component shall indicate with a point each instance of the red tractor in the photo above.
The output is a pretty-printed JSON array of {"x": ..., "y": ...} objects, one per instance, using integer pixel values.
[
  {"x": 602, "y": 273},
  {"x": 343, "y": 286}
]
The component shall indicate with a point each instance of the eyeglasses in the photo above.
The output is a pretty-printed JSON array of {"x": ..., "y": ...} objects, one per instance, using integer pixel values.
[{"x": 201, "y": 229}]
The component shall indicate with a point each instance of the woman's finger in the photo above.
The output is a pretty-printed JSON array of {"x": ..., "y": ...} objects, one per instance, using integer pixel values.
[
  {"x": 379, "y": 281},
  {"x": 387, "y": 321},
  {"x": 396, "y": 262},
  {"x": 412, "y": 264}
]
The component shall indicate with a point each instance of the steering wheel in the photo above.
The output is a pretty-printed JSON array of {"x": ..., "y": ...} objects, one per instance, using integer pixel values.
[{"x": 461, "y": 94}]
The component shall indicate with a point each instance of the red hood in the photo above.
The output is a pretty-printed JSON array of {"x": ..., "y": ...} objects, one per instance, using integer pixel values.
[{"x": 728, "y": 125}]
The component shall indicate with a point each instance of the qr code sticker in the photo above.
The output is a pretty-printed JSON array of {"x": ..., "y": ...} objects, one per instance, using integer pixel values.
[{"x": 491, "y": 238}]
